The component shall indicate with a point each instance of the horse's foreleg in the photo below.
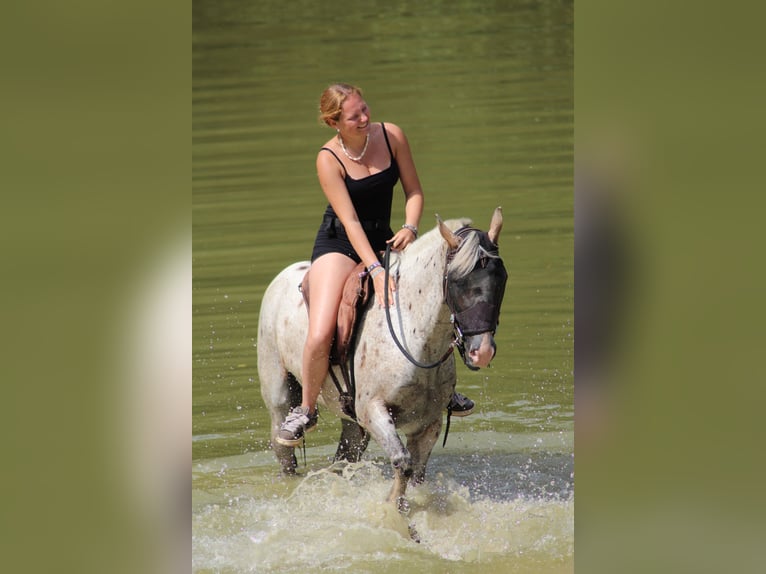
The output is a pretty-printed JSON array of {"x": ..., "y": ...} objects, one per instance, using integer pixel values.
[
  {"x": 379, "y": 422},
  {"x": 420, "y": 446},
  {"x": 396, "y": 495},
  {"x": 353, "y": 442}
]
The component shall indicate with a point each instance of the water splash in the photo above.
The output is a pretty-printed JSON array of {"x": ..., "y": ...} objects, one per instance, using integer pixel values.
[{"x": 336, "y": 519}]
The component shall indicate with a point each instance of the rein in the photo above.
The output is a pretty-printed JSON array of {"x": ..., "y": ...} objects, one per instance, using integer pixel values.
[{"x": 456, "y": 342}]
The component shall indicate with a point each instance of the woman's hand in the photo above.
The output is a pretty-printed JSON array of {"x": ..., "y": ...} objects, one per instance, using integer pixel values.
[
  {"x": 402, "y": 239},
  {"x": 379, "y": 280}
]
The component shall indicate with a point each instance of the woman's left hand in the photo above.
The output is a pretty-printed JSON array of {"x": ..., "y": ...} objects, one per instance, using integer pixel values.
[{"x": 402, "y": 239}]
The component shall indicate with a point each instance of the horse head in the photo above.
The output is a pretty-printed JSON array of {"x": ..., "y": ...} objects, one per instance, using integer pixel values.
[{"x": 474, "y": 285}]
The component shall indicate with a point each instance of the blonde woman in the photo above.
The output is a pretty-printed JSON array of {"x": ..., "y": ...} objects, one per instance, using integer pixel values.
[{"x": 358, "y": 169}]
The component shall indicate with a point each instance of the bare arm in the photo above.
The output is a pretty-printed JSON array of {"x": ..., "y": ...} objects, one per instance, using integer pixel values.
[{"x": 413, "y": 193}]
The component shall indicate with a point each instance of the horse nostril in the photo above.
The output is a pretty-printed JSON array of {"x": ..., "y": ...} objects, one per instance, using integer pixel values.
[{"x": 479, "y": 354}]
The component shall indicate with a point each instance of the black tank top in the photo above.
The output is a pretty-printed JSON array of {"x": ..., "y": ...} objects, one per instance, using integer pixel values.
[{"x": 372, "y": 195}]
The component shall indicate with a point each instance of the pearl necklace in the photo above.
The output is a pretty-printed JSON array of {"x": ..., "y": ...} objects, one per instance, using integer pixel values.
[{"x": 348, "y": 155}]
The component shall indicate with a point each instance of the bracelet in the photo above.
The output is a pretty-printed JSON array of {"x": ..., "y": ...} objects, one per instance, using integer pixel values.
[
  {"x": 411, "y": 228},
  {"x": 376, "y": 272},
  {"x": 373, "y": 266}
]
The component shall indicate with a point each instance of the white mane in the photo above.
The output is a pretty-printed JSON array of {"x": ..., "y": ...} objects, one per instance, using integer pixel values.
[{"x": 464, "y": 258}]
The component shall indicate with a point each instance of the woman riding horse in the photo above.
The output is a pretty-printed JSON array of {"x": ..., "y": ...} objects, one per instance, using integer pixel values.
[{"x": 357, "y": 168}]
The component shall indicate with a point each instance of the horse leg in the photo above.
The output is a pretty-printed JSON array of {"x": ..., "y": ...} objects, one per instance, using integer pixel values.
[
  {"x": 378, "y": 421},
  {"x": 420, "y": 446},
  {"x": 353, "y": 442},
  {"x": 285, "y": 454}
]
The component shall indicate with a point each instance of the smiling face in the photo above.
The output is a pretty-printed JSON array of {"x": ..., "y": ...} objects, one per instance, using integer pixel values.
[{"x": 354, "y": 120}]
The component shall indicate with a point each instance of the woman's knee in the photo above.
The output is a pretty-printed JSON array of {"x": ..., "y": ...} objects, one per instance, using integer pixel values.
[{"x": 320, "y": 338}]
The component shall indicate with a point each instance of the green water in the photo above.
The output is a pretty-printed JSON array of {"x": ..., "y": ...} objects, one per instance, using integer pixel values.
[{"x": 484, "y": 92}]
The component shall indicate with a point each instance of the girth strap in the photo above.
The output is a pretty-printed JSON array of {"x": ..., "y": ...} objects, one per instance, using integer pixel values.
[{"x": 345, "y": 396}]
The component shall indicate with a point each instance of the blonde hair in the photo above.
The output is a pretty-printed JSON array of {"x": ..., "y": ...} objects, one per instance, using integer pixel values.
[{"x": 331, "y": 101}]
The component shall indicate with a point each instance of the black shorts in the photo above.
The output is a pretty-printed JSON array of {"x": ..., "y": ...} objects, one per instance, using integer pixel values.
[{"x": 332, "y": 238}]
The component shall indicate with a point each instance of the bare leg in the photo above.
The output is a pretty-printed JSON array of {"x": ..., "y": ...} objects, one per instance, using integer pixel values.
[{"x": 327, "y": 276}]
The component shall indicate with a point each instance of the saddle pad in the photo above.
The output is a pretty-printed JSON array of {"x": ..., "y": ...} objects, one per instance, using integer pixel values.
[{"x": 356, "y": 293}]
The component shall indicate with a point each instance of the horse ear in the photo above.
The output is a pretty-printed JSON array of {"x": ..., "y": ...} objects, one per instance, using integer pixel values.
[
  {"x": 496, "y": 225},
  {"x": 452, "y": 240}
]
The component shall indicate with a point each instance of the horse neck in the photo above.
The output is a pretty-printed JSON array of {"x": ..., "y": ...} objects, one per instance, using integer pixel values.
[{"x": 421, "y": 272}]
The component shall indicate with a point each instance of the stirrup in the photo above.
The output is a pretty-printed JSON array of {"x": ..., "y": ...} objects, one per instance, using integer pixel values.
[{"x": 460, "y": 405}]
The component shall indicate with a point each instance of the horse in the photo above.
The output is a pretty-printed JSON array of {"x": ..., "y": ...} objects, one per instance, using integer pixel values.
[{"x": 450, "y": 286}]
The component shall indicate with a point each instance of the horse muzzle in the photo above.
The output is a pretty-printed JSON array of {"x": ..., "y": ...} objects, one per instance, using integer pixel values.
[{"x": 479, "y": 350}]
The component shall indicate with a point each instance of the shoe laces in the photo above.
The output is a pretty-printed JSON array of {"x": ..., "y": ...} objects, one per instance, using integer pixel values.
[{"x": 296, "y": 419}]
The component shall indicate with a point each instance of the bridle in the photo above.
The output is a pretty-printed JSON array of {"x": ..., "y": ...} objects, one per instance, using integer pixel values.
[
  {"x": 481, "y": 317},
  {"x": 456, "y": 316}
]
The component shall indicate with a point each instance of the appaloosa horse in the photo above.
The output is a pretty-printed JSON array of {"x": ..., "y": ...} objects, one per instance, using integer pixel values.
[{"x": 450, "y": 286}]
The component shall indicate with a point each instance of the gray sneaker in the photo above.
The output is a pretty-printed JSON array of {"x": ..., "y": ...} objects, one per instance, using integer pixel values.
[
  {"x": 460, "y": 405},
  {"x": 298, "y": 422}
]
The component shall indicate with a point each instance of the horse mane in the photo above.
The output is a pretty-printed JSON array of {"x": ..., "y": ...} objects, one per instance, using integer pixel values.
[{"x": 464, "y": 259}]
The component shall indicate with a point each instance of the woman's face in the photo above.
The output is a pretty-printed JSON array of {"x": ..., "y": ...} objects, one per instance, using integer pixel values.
[{"x": 355, "y": 117}]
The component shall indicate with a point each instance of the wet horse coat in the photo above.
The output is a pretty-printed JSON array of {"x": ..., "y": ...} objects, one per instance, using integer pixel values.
[{"x": 393, "y": 396}]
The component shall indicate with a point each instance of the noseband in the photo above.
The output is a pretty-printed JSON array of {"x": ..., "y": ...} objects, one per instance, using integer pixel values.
[{"x": 470, "y": 319}]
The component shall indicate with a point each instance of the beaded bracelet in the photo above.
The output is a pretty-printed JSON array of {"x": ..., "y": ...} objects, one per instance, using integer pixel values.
[
  {"x": 411, "y": 228},
  {"x": 376, "y": 272}
]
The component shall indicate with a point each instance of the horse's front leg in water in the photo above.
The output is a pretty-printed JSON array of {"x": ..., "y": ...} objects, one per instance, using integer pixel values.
[
  {"x": 420, "y": 446},
  {"x": 378, "y": 421}
]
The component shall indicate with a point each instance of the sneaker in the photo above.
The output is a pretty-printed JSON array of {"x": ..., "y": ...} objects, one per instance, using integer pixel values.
[
  {"x": 460, "y": 405},
  {"x": 298, "y": 422}
]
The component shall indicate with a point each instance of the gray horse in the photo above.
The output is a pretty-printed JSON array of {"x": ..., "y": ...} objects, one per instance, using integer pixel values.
[{"x": 450, "y": 286}]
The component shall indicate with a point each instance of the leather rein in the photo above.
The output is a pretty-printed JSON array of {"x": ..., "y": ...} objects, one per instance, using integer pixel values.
[{"x": 457, "y": 342}]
